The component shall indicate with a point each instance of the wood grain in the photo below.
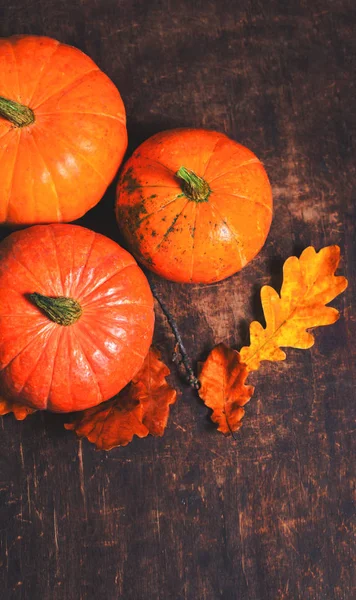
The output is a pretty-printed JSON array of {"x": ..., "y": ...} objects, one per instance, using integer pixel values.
[{"x": 194, "y": 515}]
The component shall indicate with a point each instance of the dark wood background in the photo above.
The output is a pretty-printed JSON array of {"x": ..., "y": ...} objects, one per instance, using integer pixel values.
[{"x": 194, "y": 515}]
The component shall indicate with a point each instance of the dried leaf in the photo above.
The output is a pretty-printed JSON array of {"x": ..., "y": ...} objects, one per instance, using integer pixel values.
[
  {"x": 110, "y": 424},
  {"x": 152, "y": 391},
  {"x": 223, "y": 389},
  {"x": 141, "y": 408},
  {"x": 20, "y": 411},
  {"x": 308, "y": 285}
]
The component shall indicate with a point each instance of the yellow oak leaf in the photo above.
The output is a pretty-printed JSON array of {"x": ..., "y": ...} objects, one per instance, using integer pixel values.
[{"x": 308, "y": 285}]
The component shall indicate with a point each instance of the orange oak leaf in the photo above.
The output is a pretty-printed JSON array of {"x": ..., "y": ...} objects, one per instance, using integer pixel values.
[
  {"x": 110, "y": 424},
  {"x": 308, "y": 285},
  {"x": 141, "y": 408},
  {"x": 152, "y": 391},
  {"x": 222, "y": 388},
  {"x": 20, "y": 411}
]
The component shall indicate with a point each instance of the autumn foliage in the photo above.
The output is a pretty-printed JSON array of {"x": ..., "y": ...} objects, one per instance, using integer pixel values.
[
  {"x": 19, "y": 411},
  {"x": 223, "y": 388},
  {"x": 308, "y": 285},
  {"x": 142, "y": 408}
]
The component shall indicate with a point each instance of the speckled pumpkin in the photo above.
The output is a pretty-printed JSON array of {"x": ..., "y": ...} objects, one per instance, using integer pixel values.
[
  {"x": 76, "y": 317},
  {"x": 62, "y": 131},
  {"x": 194, "y": 205}
]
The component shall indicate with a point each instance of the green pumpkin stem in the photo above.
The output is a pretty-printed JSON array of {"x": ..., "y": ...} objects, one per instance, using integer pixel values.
[
  {"x": 18, "y": 114},
  {"x": 193, "y": 186},
  {"x": 61, "y": 310}
]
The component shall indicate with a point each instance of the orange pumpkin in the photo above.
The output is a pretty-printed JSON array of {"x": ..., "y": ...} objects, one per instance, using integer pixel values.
[
  {"x": 76, "y": 317},
  {"x": 193, "y": 205},
  {"x": 62, "y": 131}
]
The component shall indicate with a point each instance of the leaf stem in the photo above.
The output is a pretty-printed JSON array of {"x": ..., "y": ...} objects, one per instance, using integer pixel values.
[{"x": 191, "y": 378}]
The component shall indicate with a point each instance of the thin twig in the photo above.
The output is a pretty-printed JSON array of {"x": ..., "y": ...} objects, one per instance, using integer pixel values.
[{"x": 191, "y": 378}]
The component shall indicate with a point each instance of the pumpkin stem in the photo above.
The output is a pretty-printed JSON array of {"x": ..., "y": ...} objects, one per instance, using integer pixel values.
[
  {"x": 61, "y": 310},
  {"x": 193, "y": 186},
  {"x": 18, "y": 114}
]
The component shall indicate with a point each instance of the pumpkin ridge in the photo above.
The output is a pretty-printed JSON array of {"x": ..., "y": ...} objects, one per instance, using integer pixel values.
[
  {"x": 67, "y": 334},
  {"x": 19, "y": 95},
  {"x": 83, "y": 294},
  {"x": 235, "y": 235},
  {"x": 86, "y": 332},
  {"x": 37, "y": 281},
  {"x": 88, "y": 251},
  {"x": 59, "y": 333},
  {"x": 13, "y": 314},
  {"x": 28, "y": 139},
  {"x": 212, "y": 155},
  {"x": 57, "y": 260},
  {"x": 44, "y": 65},
  {"x": 52, "y": 281},
  {"x": 6, "y": 91},
  {"x": 63, "y": 333},
  {"x": 36, "y": 363},
  {"x": 197, "y": 205},
  {"x": 80, "y": 155},
  {"x": 159, "y": 209},
  {"x": 10, "y": 130},
  {"x": 71, "y": 270},
  {"x": 170, "y": 228},
  {"x": 245, "y": 163},
  {"x": 35, "y": 336},
  {"x": 59, "y": 212},
  {"x": 222, "y": 193},
  {"x": 100, "y": 299},
  {"x": 82, "y": 112},
  {"x": 13, "y": 173},
  {"x": 67, "y": 88},
  {"x": 95, "y": 379},
  {"x": 154, "y": 160},
  {"x": 105, "y": 326},
  {"x": 25, "y": 267},
  {"x": 165, "y": 187},
  {"x": 4, "y": 144},
  {"x": 240, "y": 166}
]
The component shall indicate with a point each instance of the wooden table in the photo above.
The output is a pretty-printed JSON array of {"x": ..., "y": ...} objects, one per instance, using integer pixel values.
[{"x": 195, "y": 515}]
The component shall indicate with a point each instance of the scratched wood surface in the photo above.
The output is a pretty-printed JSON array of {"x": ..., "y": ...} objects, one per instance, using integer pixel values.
[{"x": 194, "y": 515}]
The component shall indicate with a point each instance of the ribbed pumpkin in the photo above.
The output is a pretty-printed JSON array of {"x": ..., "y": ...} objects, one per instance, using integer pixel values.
[
  {"x": 76, "y": 317},
  {"x": 194, "y": 205},
  {"x": 62, "y": 131}
]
